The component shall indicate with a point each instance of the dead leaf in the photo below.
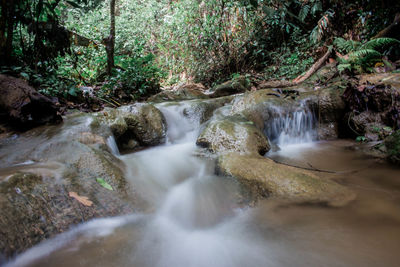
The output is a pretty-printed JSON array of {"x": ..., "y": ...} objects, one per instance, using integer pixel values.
[{"x": 82, "y": 199}]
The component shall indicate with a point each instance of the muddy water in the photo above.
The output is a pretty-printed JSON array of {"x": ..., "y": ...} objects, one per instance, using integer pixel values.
[{"x": 194, "y": 221}]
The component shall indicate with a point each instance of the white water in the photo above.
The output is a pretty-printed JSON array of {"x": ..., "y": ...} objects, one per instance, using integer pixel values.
[{"x": 291, "y": 131}]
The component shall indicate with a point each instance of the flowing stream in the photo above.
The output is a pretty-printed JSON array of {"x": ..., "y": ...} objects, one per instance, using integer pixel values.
[{"x": 195, "y": 220}]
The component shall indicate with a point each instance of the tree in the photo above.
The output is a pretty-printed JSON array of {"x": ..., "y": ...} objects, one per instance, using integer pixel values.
[{"x": 110, "y": 40}]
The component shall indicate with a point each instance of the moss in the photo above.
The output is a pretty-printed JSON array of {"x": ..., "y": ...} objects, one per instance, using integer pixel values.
[{"x": 392, "y": 144}]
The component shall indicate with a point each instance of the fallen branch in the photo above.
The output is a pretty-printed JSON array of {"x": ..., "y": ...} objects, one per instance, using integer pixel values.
[{"x": 314, "y": 68}]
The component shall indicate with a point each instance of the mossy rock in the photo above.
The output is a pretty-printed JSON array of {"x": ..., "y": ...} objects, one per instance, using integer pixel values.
[
  {"x": 204, "y": 109},
  {"x": 180, "y": 92},
  {"x": 142, "y": 123},
  {"x": 269, "y": 179},
  {"x": 233, "y": 134},
  {"x": 235, "y": 86},
  {"x": 392, "y": 144}
]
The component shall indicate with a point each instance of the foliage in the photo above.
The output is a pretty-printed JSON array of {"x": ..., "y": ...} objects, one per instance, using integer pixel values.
[
  {"x": 362, "y": 57},
  {"x": 136, "y": 77}
]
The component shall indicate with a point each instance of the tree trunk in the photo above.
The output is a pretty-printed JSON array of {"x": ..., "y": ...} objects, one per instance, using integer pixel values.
[
  {"x": 10, "y": 33},
  {"x": 110, "y": 41}
]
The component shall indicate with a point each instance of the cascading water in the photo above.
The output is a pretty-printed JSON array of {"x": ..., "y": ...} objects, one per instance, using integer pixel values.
[
  {"x": 192, "y": 220},
  {"x": 291, "y": 127}
]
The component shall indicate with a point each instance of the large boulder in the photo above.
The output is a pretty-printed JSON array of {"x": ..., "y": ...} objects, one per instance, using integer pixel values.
[
  {"x": 138, "y": 124},
  {"x": 22, "y": 106},
  {"x": 233, "y": 134},
  {"x": 260, "y": 106},
  {"x": 265, "y": 178},
  {"x": 54, "y": 184}
]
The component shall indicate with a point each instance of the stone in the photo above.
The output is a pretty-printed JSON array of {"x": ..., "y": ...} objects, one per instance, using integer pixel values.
[
  {"x": 141, "y": 123},
  {"x": 23, "y": 107},
  {"x": 233, "y": 134},
  {"x": 235, "y": 86},
  {"x": 179, "y": 93},
  {"x": 265, "y": 178}
]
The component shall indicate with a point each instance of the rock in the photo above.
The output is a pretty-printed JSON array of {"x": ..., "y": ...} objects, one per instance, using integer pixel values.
[
  {"x": 392, "y": 144},
  {"x": 329, "y": 109},
  {"x": 265, "y": 178},
  {"x": 233, "y": 134},
  {"x": 38, "y": 198},
  {"x": 23, "y": 107},
  {"x": 259, "y": 106},
  {"x": 147, "y": 124},
  {"x": 48, "y": 163},
  {"x": 235, "y": 86},
  {"x": 204, "y": 108},
  {"x": 89, "y": 138},
  {"x": 179, "y": 93},
  {"x": 138, "y": 123}
]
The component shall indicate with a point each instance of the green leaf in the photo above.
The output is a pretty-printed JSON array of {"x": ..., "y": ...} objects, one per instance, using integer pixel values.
[
  {"x": 104, "y": 184},
  {"x": 25, "y": 75}
]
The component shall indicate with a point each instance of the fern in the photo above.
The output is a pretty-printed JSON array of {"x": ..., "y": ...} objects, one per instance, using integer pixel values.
[
  {"x": 317, "y": 7},
  {"x": 363, "y": 53},
  {"x": 304, "y": 11},
  {"x": 344, "y": 66},
  {"x": 345, "y": 46},
  {"x": 379, "y": 43}
]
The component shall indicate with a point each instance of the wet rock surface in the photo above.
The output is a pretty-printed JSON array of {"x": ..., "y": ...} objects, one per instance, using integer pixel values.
[
  {"x": 233, "y": 134},
  {"x": 40, "y": 168},
  {"x": 265, "y": 178},
  {"x": 133, "y": 126}
]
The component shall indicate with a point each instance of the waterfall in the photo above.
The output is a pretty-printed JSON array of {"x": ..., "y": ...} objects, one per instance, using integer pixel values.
[{"x": 291, "y": 127}]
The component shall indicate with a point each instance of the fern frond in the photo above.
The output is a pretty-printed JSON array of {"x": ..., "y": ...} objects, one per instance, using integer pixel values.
[
  {"x": 345, "y": 46},
  {"x": 380, "y": 42},
  {"x": 343, "y": 67},
  {"x": 363, "y": 53},
  {"x": 317, "y": 7},
  {"x": 305, "y": 9}
]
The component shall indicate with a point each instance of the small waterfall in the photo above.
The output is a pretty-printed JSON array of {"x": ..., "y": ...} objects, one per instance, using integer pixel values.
[
  {"x": 288, "y": 128},
  {"x": 182, "y": 127},
  {"x": 112, "y": 145}
]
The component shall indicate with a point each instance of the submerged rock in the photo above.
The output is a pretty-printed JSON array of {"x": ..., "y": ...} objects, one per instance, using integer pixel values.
[
  {"x": 265, "y": 178},
  {"x": 233, "y": 134}
]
